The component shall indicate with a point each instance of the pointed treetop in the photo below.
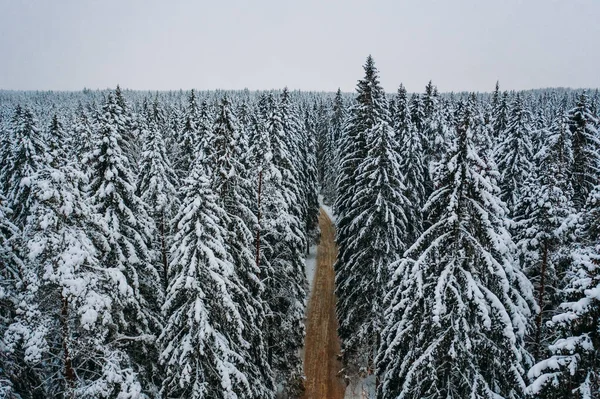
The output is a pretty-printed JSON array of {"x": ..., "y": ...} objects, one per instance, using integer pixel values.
[{"x": 55, "y": 142}]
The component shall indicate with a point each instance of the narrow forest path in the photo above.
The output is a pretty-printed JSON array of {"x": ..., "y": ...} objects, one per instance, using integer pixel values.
[{"x": 322, "y": 344}]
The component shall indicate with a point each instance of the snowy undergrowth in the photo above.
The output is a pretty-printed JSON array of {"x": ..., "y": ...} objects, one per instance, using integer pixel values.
[{"x": 362, "y": 388}]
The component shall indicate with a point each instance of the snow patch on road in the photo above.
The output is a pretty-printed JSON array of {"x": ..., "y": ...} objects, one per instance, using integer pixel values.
[
  {"x": 329, "y": 212},
  {"x": 310, "y": 267},
  {"x": 327, "y": 209}
]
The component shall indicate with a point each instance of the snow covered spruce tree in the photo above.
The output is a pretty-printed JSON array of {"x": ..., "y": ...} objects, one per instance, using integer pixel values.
[
  {"x": 81, "y": 134},
  {"x": 545, "y": 221},
  {"x": 12, "y": 275},
  {"x": 334, "y": 126},
  {"x": 435, "y": 130},
  {"x": 202, "y": 344},
  {"x": 571, "y": 370},
  {"x": 585, "y": 170},
  {"x": 439, "y": 132},
  {"x": 205, "y": 122},
  {"x": 123, "y": 240},
  {"x": 459, "y": 306},
  {"x": 5, "y": 143},
  {"x": 157, "y": 187},
  {"x": 430, "y": 100},
  {"x": 315, "y": 124},
  {"x": 400, "y": 108},
  {"x": 514, "y": 154},
  {"x": 541, "y": 124},
  {"x": 173, "y": 119},
  {"x": 280, "y": 243},
  {"x": 482, "y": 129},
  {"x": 428, "y": 132},
  {"x": 418, "y": 117},
  {"x": 331, "y": 120},
  {"x": 308, "y": 173},
  {"x": 495, "y": 96},
  {"x": 129, "y": 130},
  {"x": 378, "y": 237},
  {"x": 362, "y": 115},
  {"x": 24, "y": 160},
  {"x": 188, "y": 138},
  {"x": 500, "y": 114},
  {"x": 412, "y": 164},
  {"x": 230, "y": 180},
  {"x": 64, "y": 326},
  {"x": 293, "y": 141},
  {"x": 373, "y": 223}
]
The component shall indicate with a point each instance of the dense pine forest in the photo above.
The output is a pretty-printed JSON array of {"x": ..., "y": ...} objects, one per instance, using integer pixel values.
[{"x": 153, "y": 244}]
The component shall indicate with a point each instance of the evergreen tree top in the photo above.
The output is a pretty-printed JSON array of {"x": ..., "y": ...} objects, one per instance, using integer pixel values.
[{"x": 55, "y": 140}]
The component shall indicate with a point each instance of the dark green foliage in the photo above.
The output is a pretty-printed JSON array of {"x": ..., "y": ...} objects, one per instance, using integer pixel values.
[
  {"x": 372, "y": 221},
  {"x": 585, "y": 171}
]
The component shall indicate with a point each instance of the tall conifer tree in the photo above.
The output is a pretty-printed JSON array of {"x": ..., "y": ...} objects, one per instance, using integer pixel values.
[
  {"x": 586, "y": 150},
  {"x": 514, "y": 154},
  {"x": 545, "y": 221},
  {"x": 459, "y": 307},
  {"x": 571, "y": 369},
  {"x": 282, "y": 246},
  {"x": 124, "y": 239},
  {"x": 230, "y": 181},
  {"x": 202, "y": 338},
  {"x": 372, "y": 220},
  {"x": 157, "y": 188},
  {"x": 25, "y": 159}
]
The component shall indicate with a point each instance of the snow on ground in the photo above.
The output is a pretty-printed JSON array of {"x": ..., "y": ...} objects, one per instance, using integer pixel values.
[
  {"x": 329, "y": 212},
  {"x": 310, "y": 266},
  {"x": 327, "y": 209},
  {"x": 363, "y": 388}
]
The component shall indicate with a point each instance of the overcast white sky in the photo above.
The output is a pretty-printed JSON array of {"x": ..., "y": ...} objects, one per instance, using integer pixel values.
[{"x": 304, "y": 44}]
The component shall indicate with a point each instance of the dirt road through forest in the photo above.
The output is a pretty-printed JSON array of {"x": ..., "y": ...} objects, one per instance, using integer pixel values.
[{"x": 322, "y": 344}]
